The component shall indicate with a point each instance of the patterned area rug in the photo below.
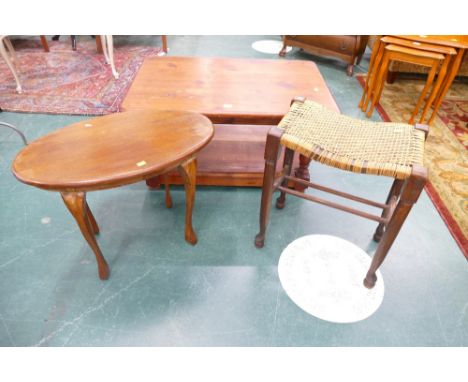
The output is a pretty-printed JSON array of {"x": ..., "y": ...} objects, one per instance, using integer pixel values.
[
  {"x": 64, "y": 81},
  {"x": 446, "y": 153}
]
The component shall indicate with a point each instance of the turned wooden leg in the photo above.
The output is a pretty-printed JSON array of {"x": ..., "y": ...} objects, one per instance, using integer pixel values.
[
  {"x": 287, "y": 167},
  {"x": 44, "y": 43},
  {"x": 350, "y": 70},
  {"x": 76, "y": 204},
  {"x": 395, "y": 191},
  {"x": 409, "y": 196},
  {"x": 188, "y": 170},
  {"x": 164, "y": 43},
  {"x": 167, "y": 190},
  {"x": 272, "y": 150},
  {"x": 302, "y": 172}
]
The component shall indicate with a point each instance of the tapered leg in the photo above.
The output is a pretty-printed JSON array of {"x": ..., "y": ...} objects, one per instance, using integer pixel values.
[
  {"x": 11, "y": 50},
  {"x": 110, "y": 54},
  {"x": 437, "y": 86},
  {"x": 5, "y": 55},
  {"x": 272, "y": 150},
  {"x": 287, "y": 167},
  {"x": 76, "y": 204},
  {"x": 188, "y": 170},
  {"x": 104, "y": 48},
  {"x": 410, "y": 195},
  {"x": 378, "y": 85},
  {"x": 367, "y": 94},
  {"x": 164, "y": 43},
  {"x": 430, "y": 79},
  {"x": 394, "y": 192},
  {"x": 167, "y": 192},
  {"x": 452, "y": 72}
]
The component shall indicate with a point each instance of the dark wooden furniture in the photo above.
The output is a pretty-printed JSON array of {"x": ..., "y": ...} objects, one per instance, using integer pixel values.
[
  {"x": 243, "y": 97},
  {"x": 367, "y": 148},
  {"x": 346, "y": 48},
  {"x": 113, "y": 151}
]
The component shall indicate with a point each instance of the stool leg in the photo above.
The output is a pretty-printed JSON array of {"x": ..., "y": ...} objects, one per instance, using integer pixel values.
[
  {"x": 287, "y": 167},
  {"x": 188, "y": 170},
  {"x": 430, "y": 79},
  {"x": 410, "y": 195},
  {"x": 394, "y": 191},
  {"x": 272, "y": 149},
  {"x": 379, "y": 84}
]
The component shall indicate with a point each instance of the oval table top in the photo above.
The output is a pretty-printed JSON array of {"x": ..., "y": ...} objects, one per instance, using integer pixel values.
[{"x": 113, "y": 150}]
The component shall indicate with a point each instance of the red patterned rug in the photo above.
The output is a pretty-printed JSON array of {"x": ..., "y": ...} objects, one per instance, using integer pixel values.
[
  {"x": 64, "y": 81},
  {"x": 446, "y": 154}
]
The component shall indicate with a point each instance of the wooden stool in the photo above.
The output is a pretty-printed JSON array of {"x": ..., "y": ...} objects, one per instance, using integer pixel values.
[
  {"x": 365, "y": 147},
  {"x": 375, "y": 65}
]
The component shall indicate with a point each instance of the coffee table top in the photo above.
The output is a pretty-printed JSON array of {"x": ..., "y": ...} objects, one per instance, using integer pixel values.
[
  {"x": 227, "y": 90},
  {"x": 113, "y": 150}
]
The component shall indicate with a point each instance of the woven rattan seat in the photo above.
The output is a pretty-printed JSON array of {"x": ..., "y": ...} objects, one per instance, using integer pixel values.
[{"x": 379, "y": 148}]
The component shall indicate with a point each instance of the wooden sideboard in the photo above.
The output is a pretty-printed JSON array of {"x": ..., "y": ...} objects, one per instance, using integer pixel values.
[{"x": 346, "y": 48}]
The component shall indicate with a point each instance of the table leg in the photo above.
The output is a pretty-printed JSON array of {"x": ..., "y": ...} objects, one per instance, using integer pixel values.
[
  {"x": 76, "y": 204},
  {"x": 188, "y": 170},
  {"x": 452, "y": 72}
]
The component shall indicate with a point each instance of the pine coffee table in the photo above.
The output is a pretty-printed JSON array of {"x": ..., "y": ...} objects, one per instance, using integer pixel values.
[
  {"x": 244, "y": 98},
  {"x": 113, "y": 151}
]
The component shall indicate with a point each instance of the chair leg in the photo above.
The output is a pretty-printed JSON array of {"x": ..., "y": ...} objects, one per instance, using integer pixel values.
[
  {"x": 409, "y": 196},
  {"x": 6, "y": 57},
  {"x": 272, "y": 150},
  {"x": 167, "y": 190},
  {"x": 395, "y": 191},
  {"x": 287, "y": 167}
]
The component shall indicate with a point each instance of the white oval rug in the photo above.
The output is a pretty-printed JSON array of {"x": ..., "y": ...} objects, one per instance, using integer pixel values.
[
  {"x": 269, "y": 46},
  {"x": 323, "y": 275}
]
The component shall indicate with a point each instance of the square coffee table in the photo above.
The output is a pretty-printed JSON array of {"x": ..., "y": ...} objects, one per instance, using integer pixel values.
[{"x": 242, "y": 97}]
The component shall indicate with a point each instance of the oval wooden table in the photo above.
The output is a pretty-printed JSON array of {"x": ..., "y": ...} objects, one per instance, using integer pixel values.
[{"x": 112, "y": 151}]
